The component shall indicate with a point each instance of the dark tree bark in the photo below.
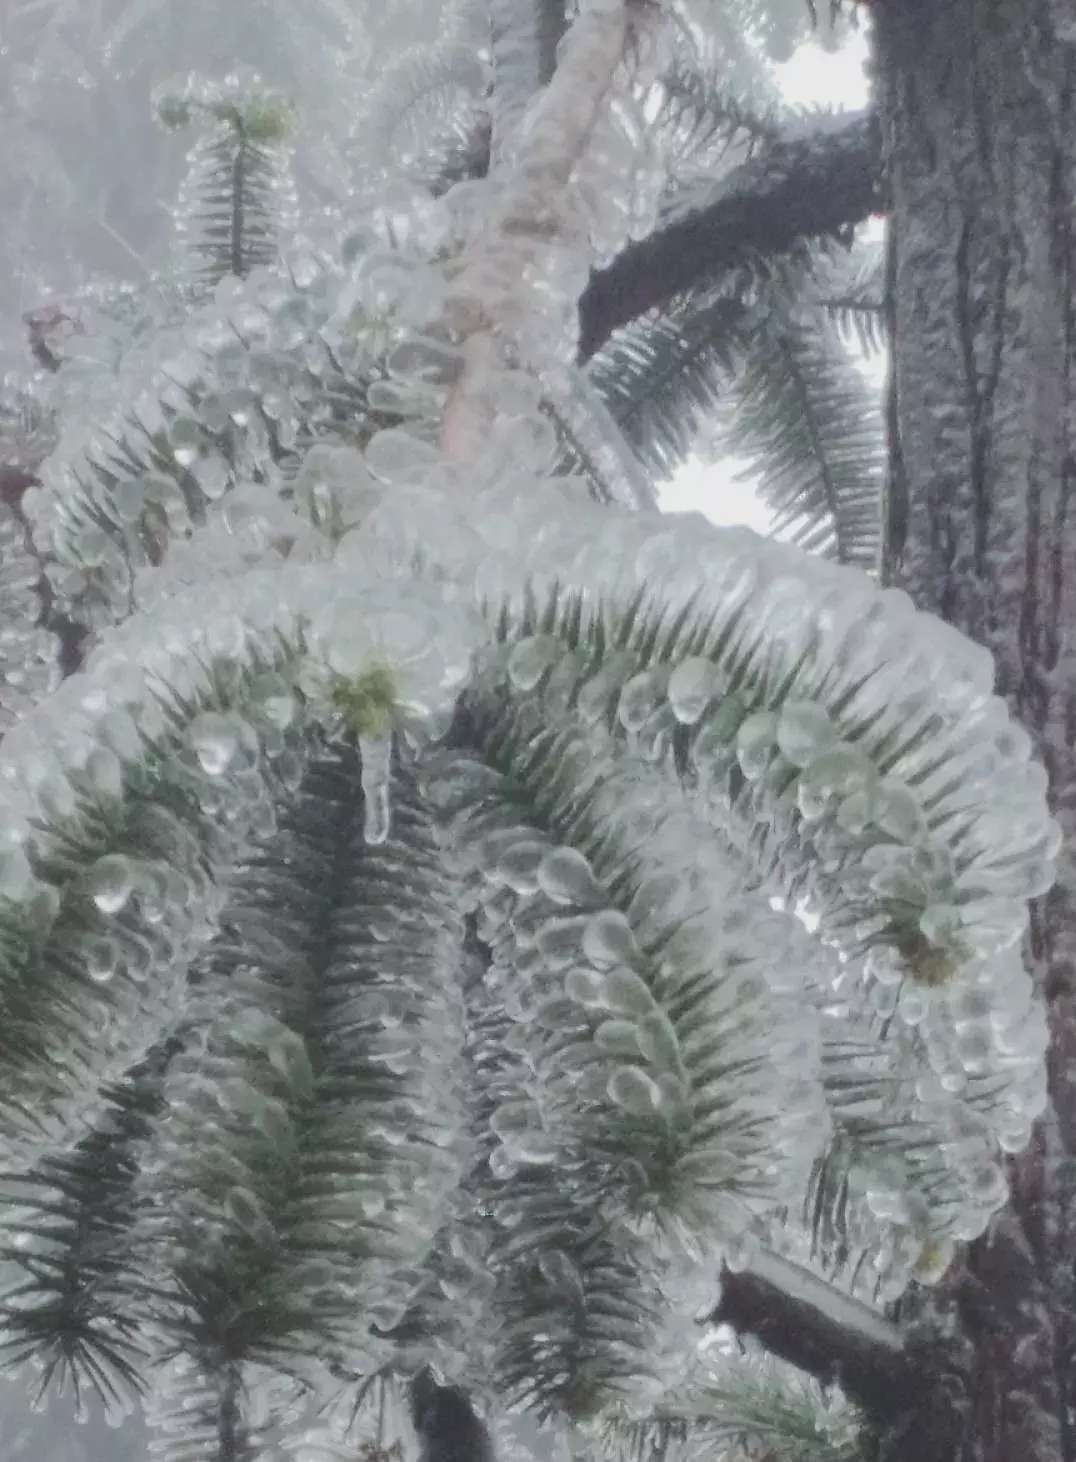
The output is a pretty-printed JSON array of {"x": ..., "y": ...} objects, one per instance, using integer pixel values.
[{"x": 979, "y": 125}]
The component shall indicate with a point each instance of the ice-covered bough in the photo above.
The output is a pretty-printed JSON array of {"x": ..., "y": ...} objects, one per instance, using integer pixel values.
[{"x": 608, "y": 871}]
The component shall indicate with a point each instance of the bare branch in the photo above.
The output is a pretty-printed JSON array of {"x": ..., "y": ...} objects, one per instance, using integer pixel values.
[
  {"x": 820, "y": 1330},
  {"x": 808, "y": 185}
]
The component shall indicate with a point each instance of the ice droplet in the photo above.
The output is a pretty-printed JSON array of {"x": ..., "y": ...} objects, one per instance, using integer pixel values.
[
  {"x": 633, "y": 1090},
  {"x": 244, "y": 1210},
  {"x": 803, "y": 731},
  {"x": 561, "y": 1274},
  {"x": 898, "y": 813},
  {"x": 287, "y": 1054},
  {"x": 102, "y": 958},
  {"x": 213, "y": 475},
  {"x": 394, "y": 455},
  {"x": 586, "y": 988},
  {"x": 111, "y": 883},
  {"x": 755, "y": 742},
  {"x": 104, "y": 771},
  {"x": 518, "y": 865},
  {"x": 625, "y": 991},
  {"x": 215, "y": 739},
  {"x": 691, "y": 688},
  {"x": 423, "y": 358},
  {"x": 532, "y": 1147},
  {"x": 565, "y": 876},
  {"x": 530, "y": 659},
  {"x": 618, "y": 1038},
  {"x": 657, "y": 1040},
  {"x": 637, "y": 700},
  {"x": 512, "y": 1118},
  {"x": 609, "y": 940}
]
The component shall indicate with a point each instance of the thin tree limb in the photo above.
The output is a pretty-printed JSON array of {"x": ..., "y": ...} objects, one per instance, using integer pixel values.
[
  {"x": 807, "y": 185},
  {"x": 803, "y": 1320}
]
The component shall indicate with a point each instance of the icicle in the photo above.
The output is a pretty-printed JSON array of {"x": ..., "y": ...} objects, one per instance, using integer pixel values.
[{"x": 376, "y": 753}]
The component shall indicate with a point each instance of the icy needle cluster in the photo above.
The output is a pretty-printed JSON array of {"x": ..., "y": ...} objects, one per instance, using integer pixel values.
[{"x": 443, "y": 906}]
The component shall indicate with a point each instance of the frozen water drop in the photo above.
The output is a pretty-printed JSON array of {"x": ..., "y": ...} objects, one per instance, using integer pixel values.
[
  {"x": 244, "y": 1210},
  {"x": 637, "y": 700},
  {"x": 803, "y": 731},
  {"x": 561, "y": 1274},
  {"x": 897, "y": 813},
  {"x": 425, "y": 359},
  {"x": 111, "y": 883},
  {"x": 618, "y": 1038},
  {"x": 691, "y": 687},
  {"x": 566, "y": 877},
  {"x": 395, "y": 455},
  {"x": 558, "y": 940},
  {"x": 833, "y": 775},
  {"x": 625, "y": 991},
  {"x": 287, "y": 1054},
  {"x": 755, "y": 743},
  {"x": 518, "y": 865},
  {"x": 102, "y": 958},
  {"x": 530, "y": 659},
  {"x": 657, "y": 1039},
  {"x": 533, "y": 1147},
  {"x": 104, "y": 772},
  {"x": 213, "y": 476},
  {"x": 609, "y": 940},
  {"x": 912, "y": 1006},
  {"x": 511, "y": 1118},
  {"x": 586, "y": 988},
  {"x": 400, "y": 398},
  {"x": 216, "y": 740},
  {"x": 632, "y": 1089}
]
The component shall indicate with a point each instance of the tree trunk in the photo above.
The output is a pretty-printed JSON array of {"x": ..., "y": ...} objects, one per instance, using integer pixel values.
[{"x": 979, "y": 126}]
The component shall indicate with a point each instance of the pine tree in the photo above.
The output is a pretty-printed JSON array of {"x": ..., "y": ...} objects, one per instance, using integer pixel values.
[{"x": 471, "y": 942}]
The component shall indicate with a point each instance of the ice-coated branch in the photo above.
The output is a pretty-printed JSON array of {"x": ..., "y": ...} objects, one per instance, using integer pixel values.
[
  {"x": 525, "y": 38},
  {"x": 534, "y": 245},
  {"x": 809, "y": 184},
  {"x": 801, "y": 1319}
]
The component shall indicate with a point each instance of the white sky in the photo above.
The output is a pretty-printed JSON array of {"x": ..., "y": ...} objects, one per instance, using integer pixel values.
[{"x": 812, "y": 77}]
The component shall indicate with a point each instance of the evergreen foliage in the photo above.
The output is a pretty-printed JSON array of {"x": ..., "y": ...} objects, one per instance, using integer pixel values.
[
  {"x": 454, "y": 912},
  {"x": 229, "y": 211}
]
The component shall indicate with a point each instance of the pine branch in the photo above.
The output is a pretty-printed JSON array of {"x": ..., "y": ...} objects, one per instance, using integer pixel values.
[
  {"x": 739, "y": 1411},
  {"x": 808, "y": 422},
  {"x": 810, "y": 184},
  {"x": 230, "y": 213},
  {"x": 663, "y": 375}
]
